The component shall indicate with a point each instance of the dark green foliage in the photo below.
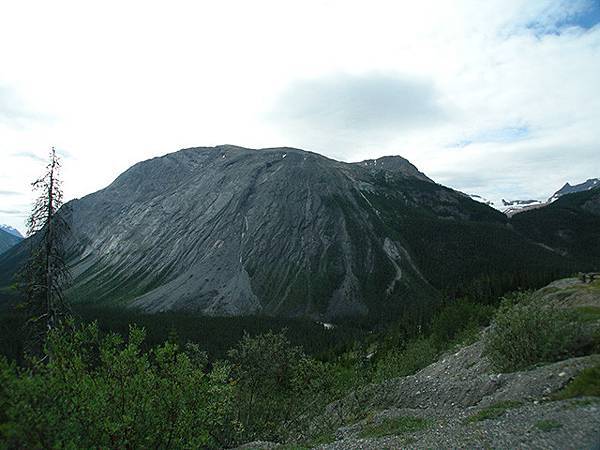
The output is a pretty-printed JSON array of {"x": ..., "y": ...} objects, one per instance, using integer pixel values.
[
  {"x": 571, "y": 225},
  {"x": 215, "y": 335},
  {"x": 462, "y": 247},
  {"x": 403, "y": 353},
  {"x": 99, "y": 390},
  {"x": 405, "y": 361},
  {"x": 103, "y": 392},
  {"x": 525, "y": 333},
  {"x": 457, "y": 319},
  {"x": 276, "y": 384}
]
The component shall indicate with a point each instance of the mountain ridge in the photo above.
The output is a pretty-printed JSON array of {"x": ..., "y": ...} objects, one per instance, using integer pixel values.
[
  {"x": 232, "y": 231},
  {"x": 8, "y": 239}
]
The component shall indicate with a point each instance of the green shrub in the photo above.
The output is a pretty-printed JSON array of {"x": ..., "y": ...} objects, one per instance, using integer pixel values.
[
  {"x": 525, "y": 333},
  {"x": 459, "y": 321},
  {"x": 276, "y": 385},
  {"x": 102, "y": 392},
  {"x": 416, "y": 355}
]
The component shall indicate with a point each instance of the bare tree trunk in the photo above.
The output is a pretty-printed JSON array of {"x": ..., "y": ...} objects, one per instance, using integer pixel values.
[{"x": 46, "y": 274}]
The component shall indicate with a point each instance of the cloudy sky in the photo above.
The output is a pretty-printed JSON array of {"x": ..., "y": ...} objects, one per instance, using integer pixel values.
[{"x": 499, "y": 98}]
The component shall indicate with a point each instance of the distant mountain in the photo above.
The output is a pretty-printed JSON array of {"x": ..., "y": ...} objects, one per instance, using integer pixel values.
[
  {"x": 8, "y": 240},
  {"x": 11, "y": 230},
  {"x": 512, "y": 207},
  {"x": 592, "y": 183},
  {"x": 519, "y": 202},
  {"x": 284, "y": 232}
]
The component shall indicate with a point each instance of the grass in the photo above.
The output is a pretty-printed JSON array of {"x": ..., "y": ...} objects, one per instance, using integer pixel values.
[
  {"x": 493, "y": 411},
  {"x": 585, "y": 384},
  {"x": 588, "y": 313},
  {"x": 397, "y": 425},
  {"x": 547, "y": 425},
  {"x": 594, "y": 285},
  {"x": 580, "y": 402},
  {"x": 325, "y": 438}
]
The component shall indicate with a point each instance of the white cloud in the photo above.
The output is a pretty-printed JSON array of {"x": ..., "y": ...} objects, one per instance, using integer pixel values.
[{"x": 117, "y": 82}]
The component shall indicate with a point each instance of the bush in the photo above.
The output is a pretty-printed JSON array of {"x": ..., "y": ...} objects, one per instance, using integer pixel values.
[
  {"x": 102, "y": 392},
  {"x": 459, "y": 320},
  {"x": 457, "y": 323},
  {"x": 276, "y": 385},
  {"x": 414, "y": 356},
  {"x": 525, "y": 333}
]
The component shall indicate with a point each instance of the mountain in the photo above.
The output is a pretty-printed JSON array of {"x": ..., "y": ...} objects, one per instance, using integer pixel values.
[
  {"x": 233, "y": 231},
  {"x": 11, "y": 230},
  {"x": 592, "y": 183},
  {"x": 512, "y": 207},
  {"x": 8, "y": 239},
  {"x": 514, "y": 203},
  {"x": 569, "y": 226}
]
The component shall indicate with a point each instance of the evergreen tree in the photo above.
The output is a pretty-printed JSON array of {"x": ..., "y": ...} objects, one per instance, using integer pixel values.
[{"x": 46, "y": 274}]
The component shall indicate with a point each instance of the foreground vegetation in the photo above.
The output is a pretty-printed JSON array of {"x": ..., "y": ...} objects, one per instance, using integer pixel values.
[
  {"x": 101, "y": 388},
  {"x": 527, "y": 332}
]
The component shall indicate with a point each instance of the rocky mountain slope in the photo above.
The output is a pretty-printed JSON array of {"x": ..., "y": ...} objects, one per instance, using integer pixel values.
[
  {"x": 460, "y": 401},
  {"x": 8, "y": 240},
  {"x": 230, "y": 231},
  {"x": 592, "y": 183}
]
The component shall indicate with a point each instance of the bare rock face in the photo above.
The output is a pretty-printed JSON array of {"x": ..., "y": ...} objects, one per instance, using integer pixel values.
[{"x": 230, "y": 231}]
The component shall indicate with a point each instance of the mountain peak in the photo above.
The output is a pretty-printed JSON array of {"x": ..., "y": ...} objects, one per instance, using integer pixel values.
[
  {"x": 590, "y": 183},
  {"x": 393, "y": 163}
]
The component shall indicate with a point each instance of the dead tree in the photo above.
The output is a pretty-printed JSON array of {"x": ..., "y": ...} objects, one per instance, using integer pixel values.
[{"x": 46, "y": 275}]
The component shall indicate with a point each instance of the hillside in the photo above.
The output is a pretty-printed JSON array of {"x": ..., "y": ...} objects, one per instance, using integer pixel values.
[
  {"x": 463, "y": 401},
  {"x": 8, "y": 240},
  {"x": 569, "y": 226},
  {"x": 285, "y": 232}
]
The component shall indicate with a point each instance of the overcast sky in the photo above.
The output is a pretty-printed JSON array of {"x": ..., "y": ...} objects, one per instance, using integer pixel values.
[{"x": 499, "y": 98}]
